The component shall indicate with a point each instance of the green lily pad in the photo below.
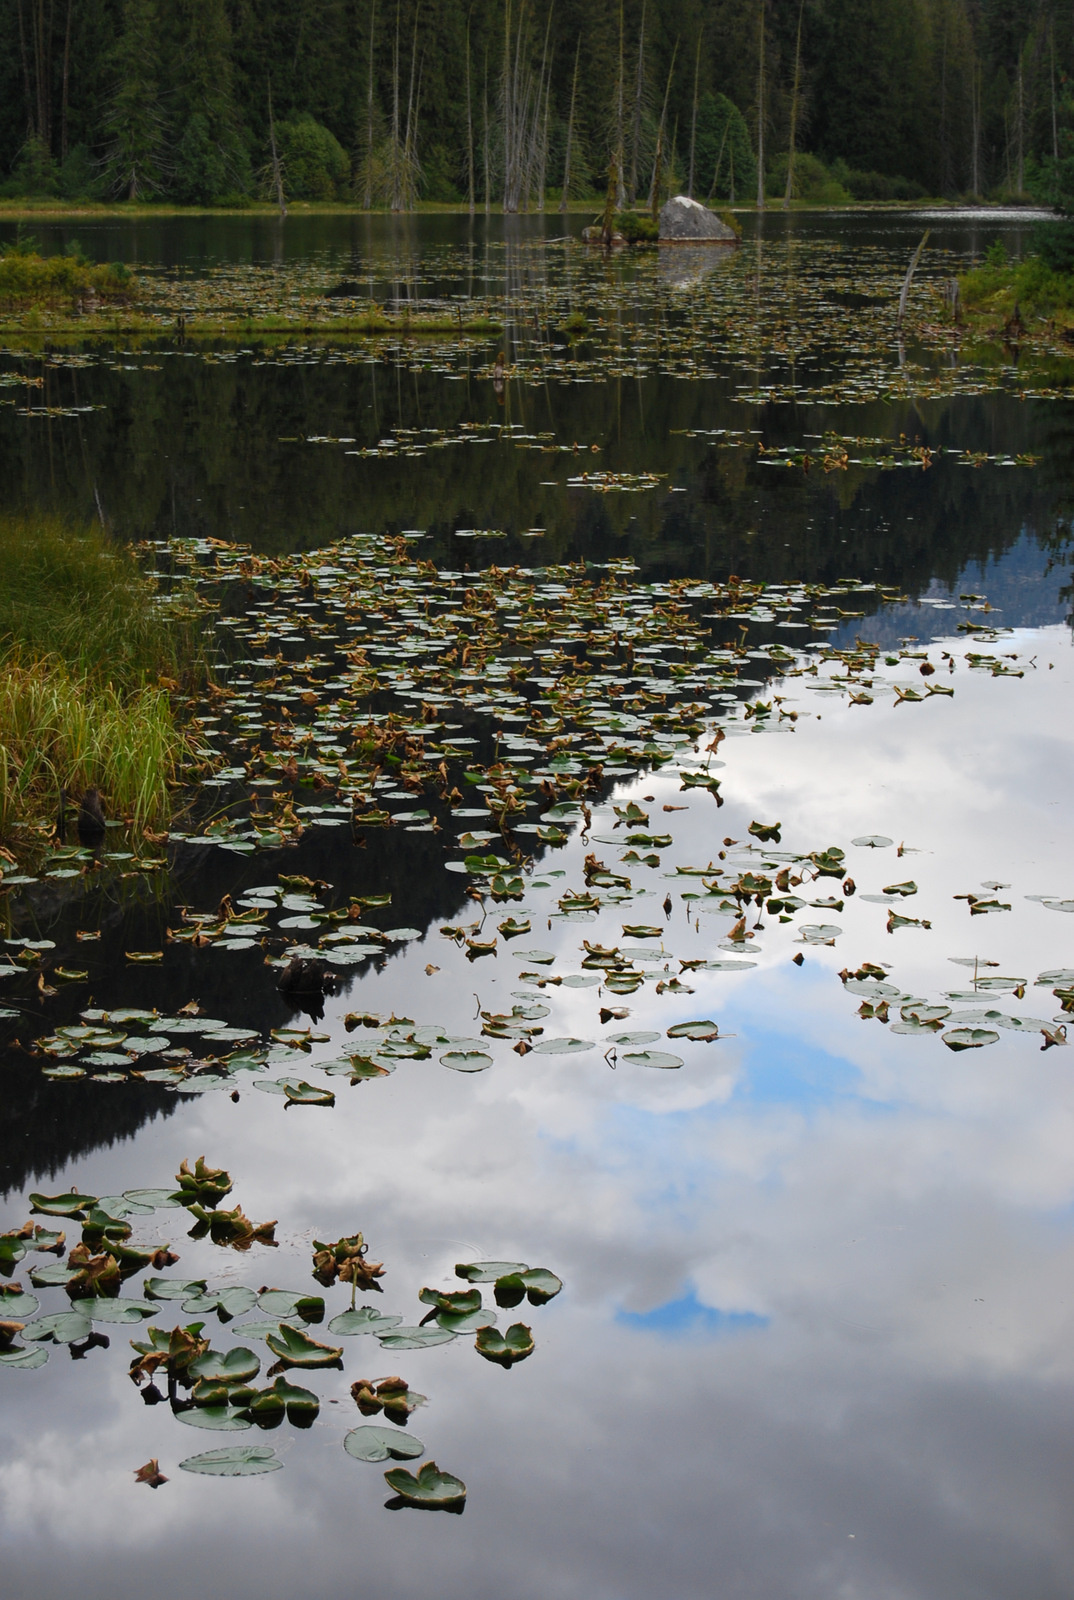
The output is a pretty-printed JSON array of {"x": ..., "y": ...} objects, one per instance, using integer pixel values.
[
  {"x": 25, "y": 1360},
  {"x": 652, "y": 1058},
  {"x": 542, "y": 958},
  {"x": 363, "y": 1320},
  {"x": 54, "y": 1276},
  {"x": 563, "y": 1047},
  {"x": 403, "y": 1338},
  {"x": 62, "y": 1205},
  {"x": 633, "y": 1038},
  {"x": 234, "y": 1366},
  {"x": 505, "y": 1349},
  {"x": 227, "y": 1303},
  {"x": 296, "y": 1349},
  {"x": 370, "y": 1443},
  {"x": 969, "y": 1038},
  {"x": 120, "y": 1206},
  {"x": 432, "y": 1489},
  {"x": 487, "y": 1271},
  {"x": 466, "y": 1060},
  {"x": 301, "y": 1405},
  {"x": 873, "y": 841},
  {"x": 704, "y": 1032},
  {"x": 18, "y": 1304},
  {"x": 172, "y": 1288},
  {"x": 286, "y": 1303},
  {"x": 105, "y": 1310},
  {"x": 236, "y": 1461},
  {"x": 217, "y": 1419},
  {"x": 63, "y": 1327}
]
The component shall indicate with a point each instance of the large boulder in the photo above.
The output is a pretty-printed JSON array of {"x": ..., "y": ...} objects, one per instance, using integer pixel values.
[{"x": 683, "y": 218}]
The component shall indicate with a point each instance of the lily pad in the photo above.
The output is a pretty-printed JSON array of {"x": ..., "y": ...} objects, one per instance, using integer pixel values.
[
  {"x": 236, "y": 1461},
  {"x": 704, "y": 1032},
  {"x": 63, "y": 1327},
  {"x": 403, "y": 1338},
  {"x": 652, "y": 1058},
  {"x": 288, "y": 1303},
  {"x": 234, "y": 1366},
  {"x": 487, "y": 1271},
  {"x": 370, "y": 1443},
  {"x": 563, "y": 1047},
  {"x": 227, "y": 1303},
  {"x": 102, "y": 1309},
  {"x": 969, "y": 1038},
  {"x": 217, "y": 1419},
  {"x": 63, "y": 1205},
  {"x": 505, "y": 1349},
  {"x": 364, "y": 1320},
  {"x": 873, "y": 841},
  {"x": 25, "y": 1360},
  {"x": 296, "y": 1349},
  {"x": 466, "y": 1060},
  {"x": 431, "y": 1489}
]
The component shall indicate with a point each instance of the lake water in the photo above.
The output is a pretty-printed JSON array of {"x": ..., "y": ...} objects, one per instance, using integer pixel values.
[{"x": 813, "y": 1337}]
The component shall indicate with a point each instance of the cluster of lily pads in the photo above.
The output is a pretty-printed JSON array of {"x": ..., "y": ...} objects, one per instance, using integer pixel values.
[
  {"x": 776, "y": 315},
  {"x": 216, "y": 1389}
]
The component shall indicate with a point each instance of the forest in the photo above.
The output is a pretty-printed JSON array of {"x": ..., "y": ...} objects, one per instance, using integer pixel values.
[{"x": 522, "y": 104}]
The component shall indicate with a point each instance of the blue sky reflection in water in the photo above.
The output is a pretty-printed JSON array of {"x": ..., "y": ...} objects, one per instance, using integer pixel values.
[{"x": 814, "y": 1337}]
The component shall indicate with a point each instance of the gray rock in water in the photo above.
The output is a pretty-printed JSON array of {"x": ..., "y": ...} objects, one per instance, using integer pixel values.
[{"x": 683, "y": 218}]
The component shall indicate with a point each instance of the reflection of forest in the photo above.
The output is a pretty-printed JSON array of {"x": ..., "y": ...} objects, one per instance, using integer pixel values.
[
  {"x": 196, "y": 447},
  {"x": 49, "y": 1123}
]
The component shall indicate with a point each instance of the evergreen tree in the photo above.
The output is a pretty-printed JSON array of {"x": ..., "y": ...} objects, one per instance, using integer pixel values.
[
  {"x": 135, "y": 121},
  {"x": 211, "y": 158}
]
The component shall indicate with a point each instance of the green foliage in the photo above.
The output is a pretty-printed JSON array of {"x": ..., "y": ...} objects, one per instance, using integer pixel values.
[
  {"x": 135, "y": 121},
  {"x": 726, "y": 166},
  {"x": 636, "y": 227},
  {"x": 1054, "y": 243},
  {"x": 812, "y": 182},
  {"x": 82, "y": 645},
  {"x": 27, "y": 278},
  {"x": 866, "y": 186},
  {"x": 315, "y": 164}
]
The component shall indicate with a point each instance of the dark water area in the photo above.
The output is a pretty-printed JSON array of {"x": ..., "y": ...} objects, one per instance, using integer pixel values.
[{"x": 814, "y": 1331}]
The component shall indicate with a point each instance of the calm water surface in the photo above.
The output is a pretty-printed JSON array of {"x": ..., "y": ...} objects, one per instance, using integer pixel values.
[{"x": 815, "y": 1333}]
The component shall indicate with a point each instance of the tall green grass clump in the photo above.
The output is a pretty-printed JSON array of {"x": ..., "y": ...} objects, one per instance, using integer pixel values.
[
  {"x": 88, "y": 655},
  {"x": 30, "y": 279}
]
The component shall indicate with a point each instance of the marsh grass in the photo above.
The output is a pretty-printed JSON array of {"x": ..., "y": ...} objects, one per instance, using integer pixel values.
[
  {"x": 27, "y": 278},
  {"x": 88, "y": 657}
]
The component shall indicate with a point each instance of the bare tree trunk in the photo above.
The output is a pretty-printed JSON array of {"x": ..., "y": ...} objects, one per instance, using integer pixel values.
[
  {"x": 719, "y": 164},
  {"x": 410, "y": 138},
  {"x": 693, "y": 117},
  {"x": 789, "y": 191},
  {"x": 367, "y": 197},
  {"x": 975, "y": 130},
  {"x": 1055, "y": 122},
  {"x": 1021, "y": 130},
  {"x": 620, "y": 186},
  {"x": 654, "y": 186},
  {"x": 542, "y": 165},
  {"x": 277, "y": 171},
  {"x": 565, "y": 198},
  {"x": 487, "y": 166},
  {"x": 66, "y": 75},
  {"x": 635, "y": 141},
  {"x": 30, "y": 123},
  {"x": 469, "y": 127},
  {"x": 760, "y": 117},
  {"x": 396, "y": 202}
]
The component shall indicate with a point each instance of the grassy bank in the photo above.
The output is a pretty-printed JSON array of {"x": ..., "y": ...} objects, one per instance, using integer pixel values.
[
  {"x": 992, "y": 292},
  {"x": 36, "y": 320},
  {"x": 88, "y": 661},
  {"x": 64, "y": 282}
]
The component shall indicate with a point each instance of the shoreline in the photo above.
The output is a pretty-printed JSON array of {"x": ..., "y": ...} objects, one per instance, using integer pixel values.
[{"x": 29, "y": 209}]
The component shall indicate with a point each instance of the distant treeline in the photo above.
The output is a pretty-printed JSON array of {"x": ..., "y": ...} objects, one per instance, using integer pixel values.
[{"x": 522, "y": 102}]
